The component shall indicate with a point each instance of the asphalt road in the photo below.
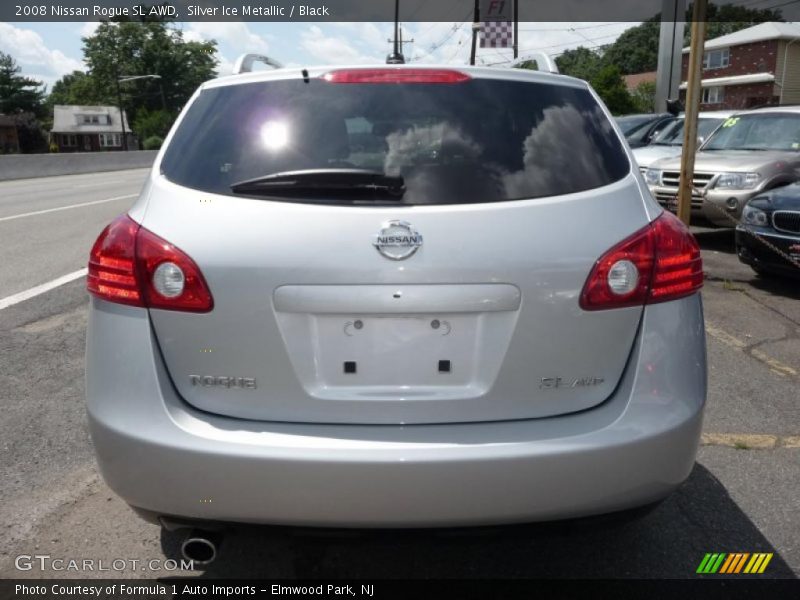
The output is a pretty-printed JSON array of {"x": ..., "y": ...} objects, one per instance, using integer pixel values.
[{"x": 741, "y": 497}]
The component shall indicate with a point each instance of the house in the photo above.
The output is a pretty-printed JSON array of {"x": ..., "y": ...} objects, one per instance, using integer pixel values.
[
  {"x": 9, "y": 140},
  {"x": 751, "y": 67},
  {"x": 636, "y": 79},
  {"x": 89, "y": 129}
]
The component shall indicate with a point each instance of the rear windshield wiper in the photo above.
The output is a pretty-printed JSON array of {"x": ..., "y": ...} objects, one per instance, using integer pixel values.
[{"x": 338, "y": 182}]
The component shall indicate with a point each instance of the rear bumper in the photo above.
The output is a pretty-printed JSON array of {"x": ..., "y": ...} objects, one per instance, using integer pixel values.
[{"x": 161, "y": 455}]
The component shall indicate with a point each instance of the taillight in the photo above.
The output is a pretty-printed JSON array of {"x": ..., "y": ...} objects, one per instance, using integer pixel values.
[
  {"x": 130, "y": 265},
  {"x": 658, "y": 263},
  {"x": 395, "y": 76}
]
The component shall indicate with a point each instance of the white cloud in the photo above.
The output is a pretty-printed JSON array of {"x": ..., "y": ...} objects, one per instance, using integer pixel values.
[
  {"x": 235, "y": 34},
  {"x": 329, "y": 49},
  {"x": 89, "y": 28},
  {"x": 32, "y": 54},
  {"x": 224, "y": 66}
]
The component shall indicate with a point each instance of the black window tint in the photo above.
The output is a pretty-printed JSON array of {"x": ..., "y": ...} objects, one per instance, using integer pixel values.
[{"x": 476, "y": 141}]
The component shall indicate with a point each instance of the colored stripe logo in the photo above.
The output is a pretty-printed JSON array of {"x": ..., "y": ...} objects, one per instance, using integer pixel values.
[{"x": 734, "y": 563}]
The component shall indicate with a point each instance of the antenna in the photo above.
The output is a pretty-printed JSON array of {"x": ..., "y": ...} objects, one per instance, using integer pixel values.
[{"x": 396, "y": 57}]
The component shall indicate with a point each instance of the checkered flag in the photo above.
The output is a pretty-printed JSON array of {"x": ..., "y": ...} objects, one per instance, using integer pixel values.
[{"x": 496, "y": 34}]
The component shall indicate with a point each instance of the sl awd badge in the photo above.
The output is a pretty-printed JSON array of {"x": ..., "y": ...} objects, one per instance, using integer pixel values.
[{"x": 397, "y": 240}]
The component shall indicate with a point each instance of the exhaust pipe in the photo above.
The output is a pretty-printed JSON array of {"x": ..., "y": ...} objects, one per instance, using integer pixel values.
[{"x": 201, "y": 547}]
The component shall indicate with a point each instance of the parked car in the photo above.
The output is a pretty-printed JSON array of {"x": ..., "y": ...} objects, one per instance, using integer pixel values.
[
  {"x": 640, "y": 129},
  {"x": 669, "y": 141},
  {"x": 768, "y": 237},
  {"x": 454, "y": 326},
  {"x": 748, "y": 154}
]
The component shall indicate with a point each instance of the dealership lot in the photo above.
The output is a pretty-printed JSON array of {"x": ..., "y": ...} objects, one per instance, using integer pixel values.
[{"x": 741, "y": 496}]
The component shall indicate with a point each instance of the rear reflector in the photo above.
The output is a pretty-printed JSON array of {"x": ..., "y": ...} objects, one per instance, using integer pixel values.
[
  {"x": 400, "y": 75},
  {"x": 124, "y": 261},
  {"x": 668, "y": 262}
]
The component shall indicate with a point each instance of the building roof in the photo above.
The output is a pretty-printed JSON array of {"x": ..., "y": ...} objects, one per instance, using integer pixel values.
[
  {"x": 633, "y": 81},
  {"x": 735, "y": 80},
  {"x": 771, "y": 30},
  {"x": 66, "y": 119}
]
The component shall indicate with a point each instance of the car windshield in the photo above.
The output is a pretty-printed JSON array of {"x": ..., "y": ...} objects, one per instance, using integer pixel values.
[
  {"x": 479, "y": 140},
  {"x": 631, "y": 123},
  {"x": 765, "y": 131},
  {"x": 673, "y": 134}
]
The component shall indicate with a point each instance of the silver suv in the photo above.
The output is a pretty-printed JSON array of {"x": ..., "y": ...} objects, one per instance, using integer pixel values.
[
  {"x": 395, "y": 296},
  {"x": 749, "y": 153}
]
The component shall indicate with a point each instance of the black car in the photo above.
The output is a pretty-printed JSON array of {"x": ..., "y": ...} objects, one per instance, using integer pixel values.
[
  {"x": 639, "y": 130},
  {"x": 768, "y": 236}
]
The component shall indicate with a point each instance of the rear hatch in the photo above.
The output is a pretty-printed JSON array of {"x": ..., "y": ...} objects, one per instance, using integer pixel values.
[{"x": 422, "y": 260}]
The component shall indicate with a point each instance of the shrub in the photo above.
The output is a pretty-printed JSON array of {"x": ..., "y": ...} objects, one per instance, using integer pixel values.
[{"x": 153, "y": 143}]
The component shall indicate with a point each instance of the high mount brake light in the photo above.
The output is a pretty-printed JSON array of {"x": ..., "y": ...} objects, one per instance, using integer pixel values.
[
  {"x": 395, "y": 76},
  {"x": 667, "y": 261},
  {"x": 126, "y": 258}
]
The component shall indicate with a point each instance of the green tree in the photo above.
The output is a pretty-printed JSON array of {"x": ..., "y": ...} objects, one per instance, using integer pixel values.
[
  {"x": 580, "y": 62},
  {"x": 152, "y": 123},
  {"x": 729, "y": 18},
  {"x": 636, "y": 50},
  {"x": 610, "y": 86},
  {"x": 19, "y": 94},
  {"x": 147, "y": 48},
  {"x": 74, "y": 88},
  {"x": 22, "y": 98},
  {"x": 644, "y": 97}
]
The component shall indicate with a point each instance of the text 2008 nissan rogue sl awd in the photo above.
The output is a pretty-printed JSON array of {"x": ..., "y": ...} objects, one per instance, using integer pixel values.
[{"x": 394, "y": 297}]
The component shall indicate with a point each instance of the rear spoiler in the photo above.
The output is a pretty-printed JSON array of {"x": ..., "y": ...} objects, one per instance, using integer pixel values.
[
  {"x": 544, "y": 62},
  {"x": 244, "y": 64}
]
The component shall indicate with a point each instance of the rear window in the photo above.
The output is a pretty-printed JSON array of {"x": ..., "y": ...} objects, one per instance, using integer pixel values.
[{"x": 468, "y": 142}]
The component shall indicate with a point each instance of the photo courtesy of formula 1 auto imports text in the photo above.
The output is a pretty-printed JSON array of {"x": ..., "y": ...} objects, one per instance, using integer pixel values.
[{"x": 391, "y": 299}]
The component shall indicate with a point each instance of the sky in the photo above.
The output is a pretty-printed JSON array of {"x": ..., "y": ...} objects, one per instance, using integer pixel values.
[{"x": 47, "y": 51}]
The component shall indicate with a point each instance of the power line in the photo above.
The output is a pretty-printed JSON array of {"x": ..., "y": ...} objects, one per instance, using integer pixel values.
[
  {"x": 434, "y": 47},
  {"x": 530, "y": 50}
]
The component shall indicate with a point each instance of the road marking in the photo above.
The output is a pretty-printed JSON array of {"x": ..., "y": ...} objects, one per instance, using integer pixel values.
[
  {"x": 739, "y": 440},
  {"x": 50, "y": 210},
  {"x": 41, "y": 289},
  {"x": 775, "y": 366},
  {"x": 750, "y": 441},
  {"x": 724, "y": 337}
]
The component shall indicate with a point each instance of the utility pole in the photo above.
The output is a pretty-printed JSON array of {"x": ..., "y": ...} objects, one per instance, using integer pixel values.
[
  {"x": 124, "y": 78},
  {"x": 476, "y": 26},
  {"x": 401, "y": 44},
  {"x": 121, "y": 116},
  {"x": 670, "y": 52},
  {"x": 693, "y": 95}
]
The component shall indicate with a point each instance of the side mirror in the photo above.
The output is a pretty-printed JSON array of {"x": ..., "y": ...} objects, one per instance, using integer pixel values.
[{"x": 700, "y": 140}]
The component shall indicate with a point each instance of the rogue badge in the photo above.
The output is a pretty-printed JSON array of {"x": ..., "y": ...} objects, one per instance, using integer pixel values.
[{"x": 397, "y": 240}]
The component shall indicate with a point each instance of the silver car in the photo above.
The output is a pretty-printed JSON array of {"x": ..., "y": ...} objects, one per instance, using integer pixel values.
[
  {"x": 669, "y": 141},
  {"x": 394, "y": 297},
  {"x": 748, "y": 154}
]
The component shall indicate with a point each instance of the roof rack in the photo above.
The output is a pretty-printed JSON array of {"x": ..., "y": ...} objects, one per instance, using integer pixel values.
[
  {"x": 544, "y": 62},
  {"x": 244, "y": 64}
]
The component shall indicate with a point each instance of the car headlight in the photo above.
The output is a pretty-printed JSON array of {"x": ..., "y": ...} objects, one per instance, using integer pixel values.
[
  {"x": 652, "y": 176},
  {"x": 754, "y": 216},
  {"x": 738, "y": 181}
]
